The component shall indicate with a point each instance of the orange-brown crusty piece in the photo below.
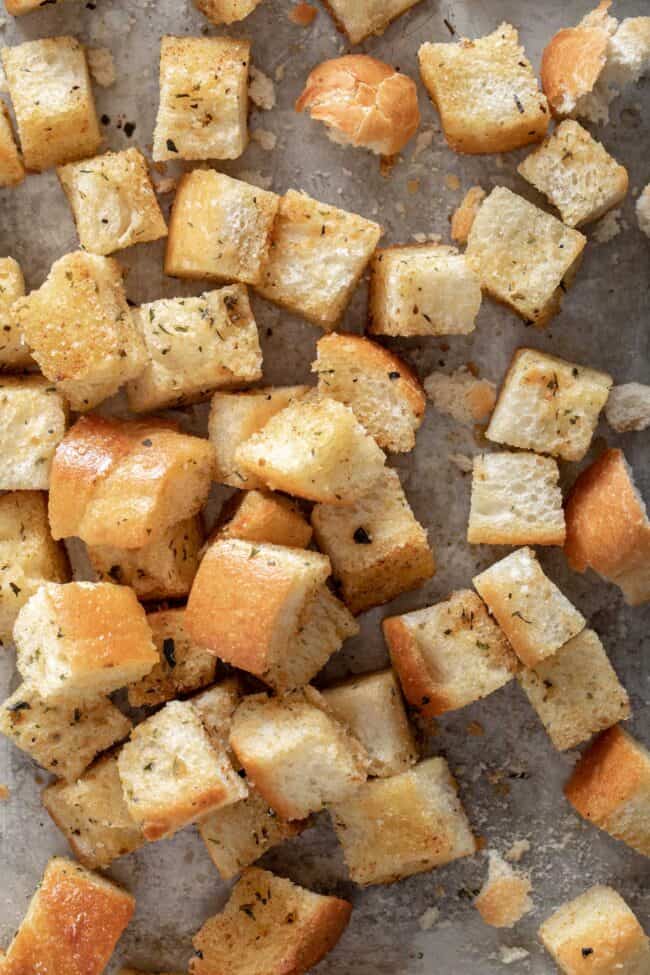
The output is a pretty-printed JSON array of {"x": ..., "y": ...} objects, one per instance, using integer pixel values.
[
  {"x": 259, "y": 516},
  {"x": 573, "y": 61}
]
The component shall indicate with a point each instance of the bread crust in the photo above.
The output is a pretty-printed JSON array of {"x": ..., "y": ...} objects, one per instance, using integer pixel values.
[
  {"x": 258, "y": 516},
  {"x": 572, "y": 63}
]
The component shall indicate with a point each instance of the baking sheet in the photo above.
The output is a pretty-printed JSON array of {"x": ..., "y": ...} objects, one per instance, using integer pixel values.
[{"x": 510, "y": 777}]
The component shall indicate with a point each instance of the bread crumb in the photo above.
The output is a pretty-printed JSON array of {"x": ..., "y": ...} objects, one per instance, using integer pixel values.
[
  {"x": 464, "y": 216},
  {"x": 256, "y": 178},
  {"x": 462, "y": 462},
  {"x": 508, "y": 955},
  {"x": 426, "y": 238},
  {"x": 166, "y": 185},
  {"x": 429, "y": 918},
  {"x": 476, "y": 729},
  {"x": 413, "y": 185},
  {"x": 608, "y": 227},
  {"x": 265, "y": 139},
  {"x": 4, "y": 793},
  {"x": 280, "y": 71},
  {"x": 423, "y": 141},
  {"x": 452, "y": 182},
  {"x": 461, "y": 395},
  {"x": 517, "y": 850},
  {"x": 302, "y": 14},
  {"x": 261, "y": 89},
  {"x": 643, "y": 211},
  {"x": 101, "y": 66}
]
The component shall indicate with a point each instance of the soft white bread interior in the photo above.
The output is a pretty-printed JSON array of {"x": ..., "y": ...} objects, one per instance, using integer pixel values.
[
  {"x": 504, "y": 897},
  {"x": 14, "y": 354},
  {"x": 34, "y": 418},
  {"x": 628, "y": 407},
  {"x": 461, "y": 395}
]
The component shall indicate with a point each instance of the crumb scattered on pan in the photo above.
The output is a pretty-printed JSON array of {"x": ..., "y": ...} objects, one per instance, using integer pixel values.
[
  {"x": 518, "y": 849},
  {"x": 475, "y": 729},
  {"x": 261, "y": 89},
  {"x": 426, "y": 238},
  {"x": 266, "y": 140},
  {"x": 413, "y": 185},
  {"x": 423, "y": 141},
  {"x": 428, "y": 918},
  {"x": 256, "y": 178},
  {"x": 462, "y": 462},
  {"x": 452, "y": 182},
  {"x": 166, "y": 185},
  {"x": 101, "y": 65},
  {"x": 509, "y": 955},
  {"x": 608, "y": 227},
  {"x": 302, "y": 14},
  {"x": 4, "y": 793},
  {"x": 463, "y": 218}
]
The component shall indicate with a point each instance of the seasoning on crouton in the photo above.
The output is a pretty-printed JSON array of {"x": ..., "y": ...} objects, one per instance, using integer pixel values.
[
  {"x": 376, "y": 546},
  {"x": 449, "y": 655},
  {"x": 361, "y": 18},
  {"x": 504, "y": 897},
  {"x": 12, "y": 170},
  {"x": 14, "y": 354},
  {"x": 464, "y": 216},
  {"x": 255, "y": 516},
  {"x": 33, "y": 419},
  {"x": 628, "y": 407},
  {"x": 461, "y": 395},
  {"x": 226, "y": 11},
  {"x": 50, "y": 91}
]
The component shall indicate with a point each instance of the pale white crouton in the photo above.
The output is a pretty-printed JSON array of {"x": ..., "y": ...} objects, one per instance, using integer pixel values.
[
  {"x": 33, "y": 418},
  {"x": 361, "y": 18},
  {"x": 14, "y": 354},
  {"x": 12, "y": 170},
  {"x": 226, "y": 11},
  {"x": 256, "y": 516},
  {"x": 504, "y": 898},
  {"x": 643, "y": 211},
  {"x": 628, "y": 407},
  {"x": 461, "y": 395}
]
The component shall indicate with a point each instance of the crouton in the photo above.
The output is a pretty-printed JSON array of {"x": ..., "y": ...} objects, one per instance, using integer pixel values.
[
  {"x": 486, "y": 92},
  {"x": 79, "y": 328},
  {"x": 134, "y": 971},
  {"x": 316, "y": 449},
  {"x": 18, "y": 7},
  {"x": 81, "y": 639},
  {"x": 215, "y": 707},
  {"x": 376, "y": 546},
  {"x": 504, "y": 897},
  {"x": 535, "y": 616},
  {"x": 596, "y": 932},
  {"x": 642, "y": 208},
  {"x": 516, "y": 500},
  {"x": 628, "y": 407},
  {"x": 226, "y": 11},
  {"x": 220, "y": 229},
  {"x": 361, "y": 18},
  {"x": 93, "y": 816},
  {"x": 269, "y": 926},
  {"x": 72, "y": 924},
  {"x": 34, "y": 417},
  {"x": 124, "y": 484},
  {"x": 608, "y": 528},
  {"x": 449, "y": 655},
  {"x": 384, "y": 393},
  {"x": 318, "y": 255},
  {"x": 203, "y": 106},
  {"x": 422, "y": 289},
  {"x": 50, "y": 91},
  {"x": 461, "y": 395},
  {"x": 14, "y": 354},
  {"x": 407, "y": 824},
  {"x": 12, "y": 170},
  {"x": 173, "y": 773},
  {"x": 464, "y": 216},
  {"x": 255, "y": 516},
  {"x": 28, "y": 554}
]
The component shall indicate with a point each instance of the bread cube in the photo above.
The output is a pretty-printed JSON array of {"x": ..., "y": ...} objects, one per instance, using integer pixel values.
[
  {"x": 134, "y": 971},
  {"x": 504, "y": 897},
  {"x": 195, "y": 345},
  {"x": 486, "y": 92},
  {"x": 93, "y": 816},
  {"x": 449, "y": 655},
  {"x": 384, "y": 393},
  {"x": 79, "y": 328},
  {"x": 255, "y": 516},
  {"x": 361, "y": 18},
  {"x": 50, "y": 91},
  {"x": 407, "y": 824},
  {"x": 376, "y": 546},
  {"x": 525, "y": 258},
  {"x": 81, "y": 639},
  {"x": 220, "y": 228},
  {"x": 596, "y": 932},
  {"x": 423, "y": 289},
  {"x": 14, "y": 354},
  {"x": 318, "y": 255},
  {"x": 516, "y": 500},
  {"x": 12, "y": 170},
  {"x": 316, "y": 449},
  {"x": 28, "y": 554},
  {"x": 269, "y": 926},
  {"x": 226, "y": 11},
  {"x": 62, "y": 736},
  {"x": 33, "y": 419},
  {"x": 461, "y": 395},
  {"x": 548, "y": 405},
  {"x": 295, "y": 752},
  {"x": 535, "y": 616},
  {"x": 124, "y": 484},
  {"x": 628, "y": 407}
]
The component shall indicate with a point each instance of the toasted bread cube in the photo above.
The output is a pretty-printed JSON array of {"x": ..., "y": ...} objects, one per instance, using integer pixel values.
[
  {"x": 516, "y": 500},
  {"x": 461, "y": 395},
  {"x": 203, "y": 108},
  {"x": 72, "y": 925},
  {"x": 79, "y": 328},
  {"x": 361, "y": 18},
  {"x": 628, "y": 407},
  {"x": 81, "y": 639},
  {"x": 318, "y": 254},
  {"x": 50, "y": 91},
  {"x": 316, "y": 449},
  {"x": 384, "y": 393},
  {"x": 294, "y": 751},
  {"x": 535, "y": 616},
  {"x": 504, "y": 897},
  {"x": 28, "y": 554},
  {"x": 33, "y": 419},
  {"x": 376, "y": 546},
  {"x": 220, "y": 228},
  {"x": 195, "y": 345},
  {"x": 449, "y": 655},
  {"x": 255, "y": 516},
  {"x": 407, "y": 824},
  {"x": 14, "y": 354},
  {"x": 124, "y": 484},
  {"x": 226, "y": 11},
  {"x": 269, "y": 927},
  {"x": 423, "y": 289},
  {"x": 596, "y": 932},
  {"x": 371, "y": 706},
  {"x": 173, "y": 773},
  {"x": 12, "y": 170},
  {"x": 134, "y": 971}
]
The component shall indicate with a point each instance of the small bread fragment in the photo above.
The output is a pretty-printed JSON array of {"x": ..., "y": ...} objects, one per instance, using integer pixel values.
[
  {"x": 226, "y": 11},
  {"x": 504, "y": 897},
  {"x": 215, "y": 707},
  {"x": 256, "y": 516},
  {"x": 461, "y": 395},
  {"x": 628, "y": 407},
  {"x": 34, "y": 417},
  {"x": 14, "y": 354},
  {"x": 464, "y": 216},
  {"x": 642, "y": 207},
  {"x": 361, "y": 18},
  {"x": 12, "y": 170}
]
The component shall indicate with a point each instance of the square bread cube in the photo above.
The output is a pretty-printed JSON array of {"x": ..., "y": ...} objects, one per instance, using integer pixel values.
[
  {"x": 318, "y": 255},
  {"x": 525, "y": 258},
  {"x": 486, "y": 92},
  {"x": 360, "y": 18},
  {"x": 203, "y": 108},
  {"x": 596, "y": 933},
  {"x": 33, "y": 418},
  {"x": 269, "y": 926},
  {"x": 376, "y": 546},
  {"x": 504, "y": 897},
  {"x": 576, "y": 692},
  {"x": 449, "y": 655},
  {"x": 195, "y": 345},
  {"x": 173, "y": 773},
  {"x": 295, "y": 752},
  {"x": 12, "y": 170},
  {"x": 113, "y": 202},
  {"x": 220, "y": 228},
  {"x": 81, "y": 639},
  {"x": 535, "y": 616},
  {"x": 516, "y": 500},
  {"x": 14, "y": 354},
  {"x": 51, "y": 94},
  {"x": 407, "y": 824},
  {"x": 79, "y": 328},
  {"x": 255, "y": 516},
  {"x": 548, "y": 405},
  {"x": 422, "y": 289}
]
